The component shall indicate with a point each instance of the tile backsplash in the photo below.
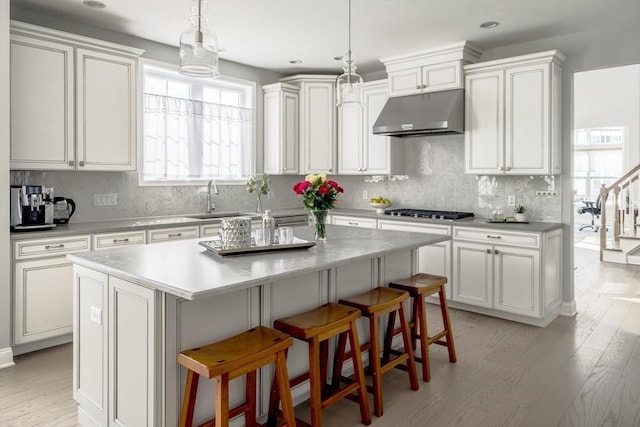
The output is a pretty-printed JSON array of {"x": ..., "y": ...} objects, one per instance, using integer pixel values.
[{"x": 434, "y": 166}]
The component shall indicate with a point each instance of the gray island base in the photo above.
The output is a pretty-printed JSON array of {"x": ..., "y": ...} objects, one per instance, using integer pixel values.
[{"x": 136, "y": 308}]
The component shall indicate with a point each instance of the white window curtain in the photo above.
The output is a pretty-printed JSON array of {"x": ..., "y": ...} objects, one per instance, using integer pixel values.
[{"x": 187, "y": 139}]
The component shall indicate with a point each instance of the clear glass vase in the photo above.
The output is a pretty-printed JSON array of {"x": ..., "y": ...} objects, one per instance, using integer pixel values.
[
  {"x": 319, "y": 220},
  {"x": 259, "y": 204}
]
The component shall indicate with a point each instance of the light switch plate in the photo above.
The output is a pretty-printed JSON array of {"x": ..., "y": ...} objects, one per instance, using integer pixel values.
[
  {"x": 511, "y": 200},
  {"x": 96, "y": 315}
]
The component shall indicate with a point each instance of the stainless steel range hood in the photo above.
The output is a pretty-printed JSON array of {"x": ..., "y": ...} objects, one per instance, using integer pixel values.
[{"x": 434, "y": 113}]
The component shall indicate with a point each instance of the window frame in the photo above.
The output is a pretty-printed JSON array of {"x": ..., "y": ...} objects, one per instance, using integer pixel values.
[{"x": 252, "y": 85}]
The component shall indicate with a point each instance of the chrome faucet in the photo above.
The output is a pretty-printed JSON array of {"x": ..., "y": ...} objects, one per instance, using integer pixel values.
[{"x": 210, "y": 206}]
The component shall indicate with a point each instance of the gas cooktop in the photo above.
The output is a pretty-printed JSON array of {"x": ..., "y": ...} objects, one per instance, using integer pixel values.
[{"x": 427, "y": 213}]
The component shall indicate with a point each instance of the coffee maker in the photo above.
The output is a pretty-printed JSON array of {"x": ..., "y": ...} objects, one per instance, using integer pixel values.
[{"x": 31, "y": 207}]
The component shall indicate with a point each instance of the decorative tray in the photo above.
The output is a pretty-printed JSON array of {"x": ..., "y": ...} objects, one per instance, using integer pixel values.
[
  {"x": 504, "y": 221},
  {"x": 215, "y": 246}
]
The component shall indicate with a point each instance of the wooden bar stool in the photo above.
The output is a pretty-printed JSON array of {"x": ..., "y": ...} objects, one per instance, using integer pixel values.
[
  {"x": 373, "y": 304},
  {"x": 316, "y": 327},
  {"x": 229, "y": 359},
  {"x": 420, "y": 286}
]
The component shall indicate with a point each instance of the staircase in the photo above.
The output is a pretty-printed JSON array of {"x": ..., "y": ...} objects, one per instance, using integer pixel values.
[{"x": 623, "y": 246}]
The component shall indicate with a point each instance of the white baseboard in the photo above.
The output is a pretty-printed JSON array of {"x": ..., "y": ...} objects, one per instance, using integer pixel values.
[
  {"x": 6, "y": 357},
  {"x": 568, "y": 309},
  {"x": 85, "y": 420}
]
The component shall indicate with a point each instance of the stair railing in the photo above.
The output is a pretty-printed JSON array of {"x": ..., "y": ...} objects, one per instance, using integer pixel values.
[{"x": 619, "y": 214}]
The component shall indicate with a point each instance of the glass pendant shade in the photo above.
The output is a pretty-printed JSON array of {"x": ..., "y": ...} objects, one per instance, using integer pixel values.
[
  {"x": 349, "y": 83},
  {"x": 198, "y": 46}
]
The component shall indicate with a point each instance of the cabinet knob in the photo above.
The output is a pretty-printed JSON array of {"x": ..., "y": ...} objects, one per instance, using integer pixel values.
[
  {"x": 495, "y": 251},
  {"x": 489, "y": 251},
  {"x": 330, "y": 170},
  {"x": 81, "y": 163},
  {"x": 508, "y": 168},
  {"x": 70, "y": 162},
  {"x": 424, "y": 86},
  {"x": 284, "y": 169},
  {"x": 418, "y": 87},
  {"x": 500, "y": 168}
]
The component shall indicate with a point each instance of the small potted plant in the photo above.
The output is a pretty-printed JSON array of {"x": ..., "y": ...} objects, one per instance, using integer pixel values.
[{"x": 520, "y": 215}]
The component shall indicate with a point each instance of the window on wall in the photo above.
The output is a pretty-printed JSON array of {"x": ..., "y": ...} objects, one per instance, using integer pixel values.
[
  {"x": 598, "y": 160},
  {"x": 195, "y": 129}
]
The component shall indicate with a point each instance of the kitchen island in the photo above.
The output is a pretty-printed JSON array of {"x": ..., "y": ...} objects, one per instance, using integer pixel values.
[{"x": 136, "y": 308}]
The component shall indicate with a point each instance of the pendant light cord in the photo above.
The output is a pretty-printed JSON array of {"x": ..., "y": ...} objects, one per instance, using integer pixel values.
[{"x": 199, "y": 16}]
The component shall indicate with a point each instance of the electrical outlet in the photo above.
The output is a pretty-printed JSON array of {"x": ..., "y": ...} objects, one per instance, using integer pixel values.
[
  {"x": 96, "y": 315},
  {"x": 511, "y": 200},
  {"x": 365, "y": 195},
  {"x": 106, "y": 199},
  {"x": 548, "y": 193}
]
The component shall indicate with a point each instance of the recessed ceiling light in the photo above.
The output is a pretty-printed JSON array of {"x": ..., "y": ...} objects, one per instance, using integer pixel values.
[
  {"x": 94, "y": 4},
  {"x": 489, "y": 24},
  {"x": 295, "y": 61}
]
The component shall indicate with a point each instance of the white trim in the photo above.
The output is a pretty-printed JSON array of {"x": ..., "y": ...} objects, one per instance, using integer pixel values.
[
  {"x": 6, "y": 358},
  {"x": 31, "y": 30},
  {"x": 568, "y": 308}
]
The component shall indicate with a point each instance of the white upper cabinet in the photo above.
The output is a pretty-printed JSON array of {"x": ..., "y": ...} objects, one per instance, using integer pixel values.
[
  {"x": 430, "y": 70},
  {"x": 360, "y": 152},
  {"x": 512, "y": 115},
  {"x": 106, "y": 111},
  {"x": 281, "y": 129},
  {"x": 42, "y": 119},
  {"x": 81, "y": 93},
  {"x": 317, "y": 122}
]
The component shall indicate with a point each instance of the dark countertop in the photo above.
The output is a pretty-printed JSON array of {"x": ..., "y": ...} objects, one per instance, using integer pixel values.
[
  {"x": 130, "y": 224},
  {"x": 535, "y": 227}
]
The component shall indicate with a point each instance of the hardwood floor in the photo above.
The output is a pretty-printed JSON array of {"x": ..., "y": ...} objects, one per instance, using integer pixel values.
[{"x": 582, "y": 371}]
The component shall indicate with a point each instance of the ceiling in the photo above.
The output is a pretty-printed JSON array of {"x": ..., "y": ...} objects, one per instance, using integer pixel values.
[{"x": 270, "y": 33}]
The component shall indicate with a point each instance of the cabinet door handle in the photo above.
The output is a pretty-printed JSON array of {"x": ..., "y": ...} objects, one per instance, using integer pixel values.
[
  {"x": 330, "y": 170},
  {"x": 495, "y": 251},
  {"x": 125, "y": 240},
  {"x": 489, "y": 236},
  {"x": 60, "y": 246},
  {"x": 424, "y": 86},
  {"x": 81, "y": 163},
  {"x": 284, "y": 169},
  {"x": 352, "y": 223},
  {"x": 70, "y": 162},
  {"x": 500, "y": 168},
  {"x": 418, "y": 87},
  {"x": 508, "y": 168},
  {"x": 489, "y": 251},
  {"x": 172, "y": 235}
]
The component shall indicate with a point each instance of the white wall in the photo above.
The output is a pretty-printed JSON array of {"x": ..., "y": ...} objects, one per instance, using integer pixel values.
[
  {"x": 6, "y": 357},
  {"x": 610, "y": 97}
]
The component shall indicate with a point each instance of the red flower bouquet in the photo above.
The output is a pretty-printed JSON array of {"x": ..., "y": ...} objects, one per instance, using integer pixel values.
[{"x": 318, "y": 192}]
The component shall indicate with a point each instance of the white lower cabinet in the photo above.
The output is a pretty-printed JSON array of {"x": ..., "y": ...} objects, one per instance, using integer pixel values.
[
  {"x": 174, "y": 233},
  {"x": 42, "y": 291},
  {"x": 116, "y": 240},
  {"x": 510, "y": 273},
  {"x": 353, "y": 221},
  {"x": 432, "y": 259},
  {"x": 114, "y": 350}
]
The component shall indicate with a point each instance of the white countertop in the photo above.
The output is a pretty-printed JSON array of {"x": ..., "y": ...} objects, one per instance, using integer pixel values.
[{"x": 188, "y": 270}]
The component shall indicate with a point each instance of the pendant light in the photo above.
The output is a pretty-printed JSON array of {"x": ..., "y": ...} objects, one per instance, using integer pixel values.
[
  {"x": 198, "y": 46},
  {"x": 349, "y": 84}
]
